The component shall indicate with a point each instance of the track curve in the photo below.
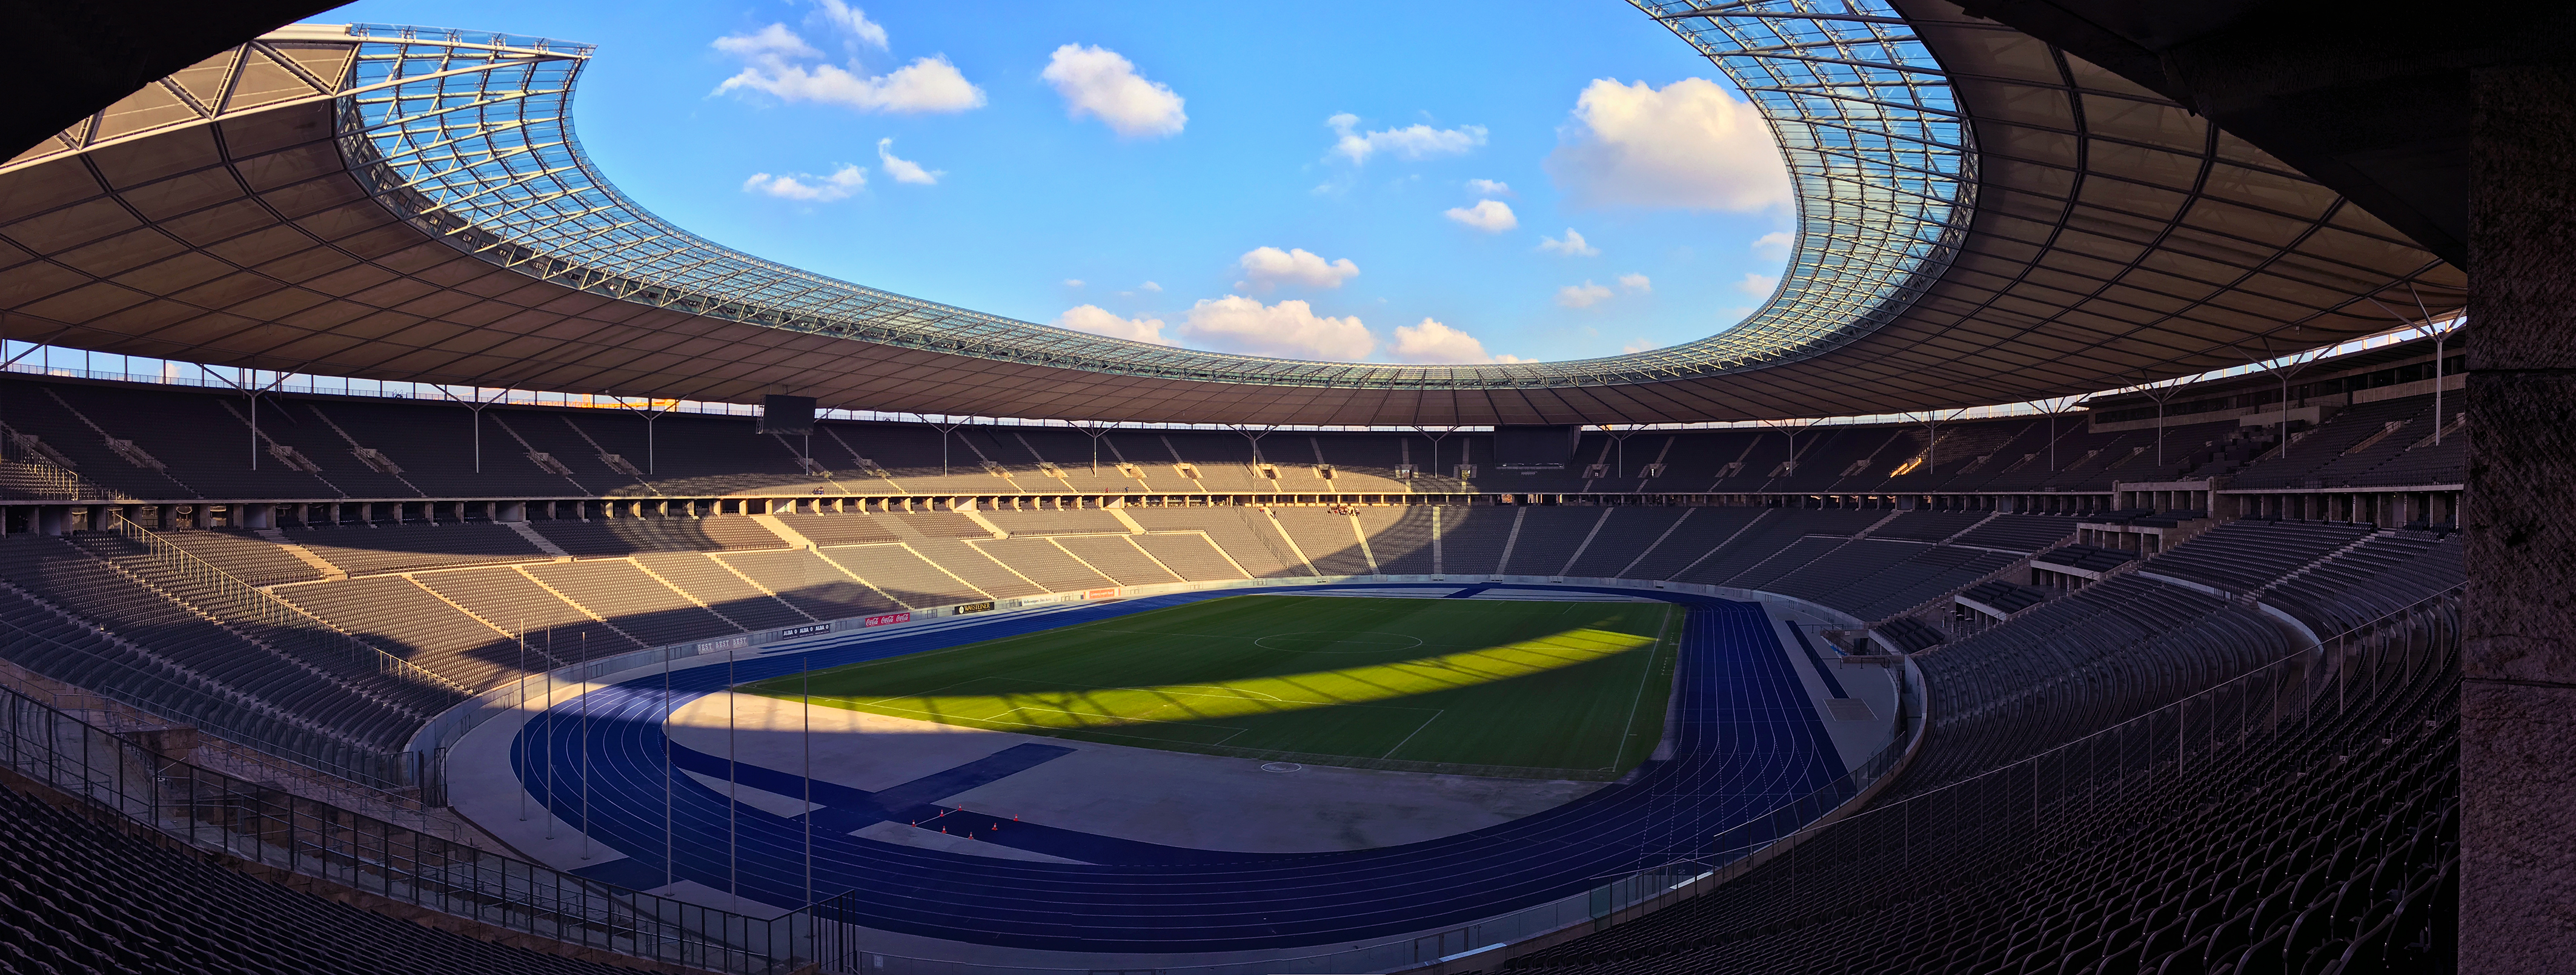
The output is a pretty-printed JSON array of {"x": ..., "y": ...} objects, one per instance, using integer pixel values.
[{"x": 1746, "y": 739}]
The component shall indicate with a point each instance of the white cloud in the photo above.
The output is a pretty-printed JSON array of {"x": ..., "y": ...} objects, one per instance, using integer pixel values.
[
  {"x": 1269, "y": 267},
  {"x": 1758, "y": 285},
  {"x": 1073, "y": 282},
  {"x": 1582, "y": 295},
  {"x": 1100, "y": 83},
  {"x": 1489, "y": 187},
  {"x": 1636, "y": 345},
  {"x": 774, "y": 42},
  {"x": 1572, "y": 246},
  {"x": 774, "y": 62},
  {"x": 1432, "y": 343},
  {"x": 1416, "y": 141},
  {"x": 1689, "y": 145},
  {"x": 1490, "y": 216},
  {"x": 1636, "y": 283},
  {"x": 1150, "y": 286},
  {"x": 808, "y": 187},
  {"x": 905, "y": 170},
  {"x": 1101, "y": 321},
  {"x": 1289, "y": 329},
  {"x": 1774, "y": 245},
  {"x": 851, "y": 22}
]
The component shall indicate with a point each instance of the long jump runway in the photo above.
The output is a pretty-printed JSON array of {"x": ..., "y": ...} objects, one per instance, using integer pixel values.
[{"x": 1746, "y": 738}]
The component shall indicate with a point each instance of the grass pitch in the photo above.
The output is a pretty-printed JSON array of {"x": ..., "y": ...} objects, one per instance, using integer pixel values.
[{"x": 1570, "y": 689}]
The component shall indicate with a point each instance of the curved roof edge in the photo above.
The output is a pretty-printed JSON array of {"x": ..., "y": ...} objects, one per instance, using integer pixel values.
[
  {"x": 468, "y": 136},
  {"x": 2116, "y": 238}
]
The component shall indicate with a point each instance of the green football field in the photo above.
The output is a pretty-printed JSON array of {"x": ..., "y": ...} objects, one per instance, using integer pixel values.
[{"x": 1559, "y": 689}]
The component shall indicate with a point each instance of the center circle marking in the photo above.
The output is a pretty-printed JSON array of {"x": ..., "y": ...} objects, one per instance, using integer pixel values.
[{"x": 1323, "y": 640}]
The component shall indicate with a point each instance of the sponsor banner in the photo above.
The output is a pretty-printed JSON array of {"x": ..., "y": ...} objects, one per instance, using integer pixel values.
[
  {"x": 983, "y": 607},
  {"x": 795, "y": 631},
  {"x": 887, "y": 619},
  {"x": 720, "y": 646},
  {"x": 1101, "y": 594}
]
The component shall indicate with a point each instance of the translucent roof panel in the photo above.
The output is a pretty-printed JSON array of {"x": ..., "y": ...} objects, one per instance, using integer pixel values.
[{"x": 469, "y": 136}]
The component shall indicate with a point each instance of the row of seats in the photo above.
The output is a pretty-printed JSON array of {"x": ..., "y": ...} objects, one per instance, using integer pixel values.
[
  {"x": 190, "y": 641},
  {"x": 2386, "y": 442},
  {"x": 78, "y": 652},
  {"x": 2321, "y": 840},
  {"x": 83, "y": 898},
  {"x": 2243, "y": 556},
  {"x": 2010, "y": 597},
  {"x": 2226, "y": 836},
  {"x": 2089, "y": 660},
  {"x": 354, "y": 447},
  {"x": 2088, "y": 558},
  {"x": 2381, "y": 575},
  {"x": 426, "y": 594}
]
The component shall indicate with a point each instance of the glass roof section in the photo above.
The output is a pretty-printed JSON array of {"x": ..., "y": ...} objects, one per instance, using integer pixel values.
[{"x": 469, "y": 137}]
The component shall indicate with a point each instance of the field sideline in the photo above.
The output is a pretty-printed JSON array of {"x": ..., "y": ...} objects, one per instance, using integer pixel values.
[{"x": 1546, "y": 689}]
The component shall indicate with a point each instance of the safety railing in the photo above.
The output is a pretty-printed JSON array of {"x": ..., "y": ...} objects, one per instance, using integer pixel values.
[
  {"x": 218, "y": 813},
  {"x": 2023, "y": 805},
  {"x": 222, "y": 713},
  {"x": 42, "y": 481},
  {"x": 2046, "y": 802},
  {"x": 302, "y": 633}
]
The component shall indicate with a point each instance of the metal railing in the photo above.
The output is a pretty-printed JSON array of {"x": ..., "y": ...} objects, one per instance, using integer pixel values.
[
  {"x": 2021, "y": 806},
  {"x": 2048, "y": 802},
  {"x": 224, "y": 713},
  {"x": 217, "y": 813},
  {"x": 40, "y": 481},
  {"x": 249, "y": 763},
  {"x": 304, "y": 634},
  {"x": 233, "y": 714}
]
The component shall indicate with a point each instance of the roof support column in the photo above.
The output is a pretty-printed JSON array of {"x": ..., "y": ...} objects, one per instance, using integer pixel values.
[{"x": 2518, "y": 706}]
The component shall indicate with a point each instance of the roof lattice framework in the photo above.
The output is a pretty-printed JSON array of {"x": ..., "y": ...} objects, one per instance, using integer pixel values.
[{"x": 1981, "y": 219}]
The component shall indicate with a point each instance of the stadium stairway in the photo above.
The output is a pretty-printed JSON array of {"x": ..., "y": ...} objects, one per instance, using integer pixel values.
[{"x": 2095, "y": 657}]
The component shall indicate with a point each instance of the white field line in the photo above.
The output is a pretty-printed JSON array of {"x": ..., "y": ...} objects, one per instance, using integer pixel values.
[
  {"x": 1426, "y": 722},
  {"x": 1236, "y": 695},
  {"x": 1628, "y": 730},
  {"x": 1234, "y": 692}
]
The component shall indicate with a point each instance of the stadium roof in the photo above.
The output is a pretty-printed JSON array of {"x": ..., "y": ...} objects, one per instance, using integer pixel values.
[{"x": 1982, "y": 219}]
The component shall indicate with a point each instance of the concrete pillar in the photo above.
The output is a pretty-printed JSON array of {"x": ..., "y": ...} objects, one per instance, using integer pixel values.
[{"x": 2518, "y": 703}]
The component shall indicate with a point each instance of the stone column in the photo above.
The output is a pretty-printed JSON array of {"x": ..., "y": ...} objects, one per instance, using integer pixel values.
[{"x": 2518, "y": 706}]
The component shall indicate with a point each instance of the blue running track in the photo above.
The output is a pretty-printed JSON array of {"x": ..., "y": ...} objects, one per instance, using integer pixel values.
[{"x": 1747, "y": 739}]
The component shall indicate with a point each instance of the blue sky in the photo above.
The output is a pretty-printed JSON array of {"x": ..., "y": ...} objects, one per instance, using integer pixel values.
[{"x": 1388, "y": 182}]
